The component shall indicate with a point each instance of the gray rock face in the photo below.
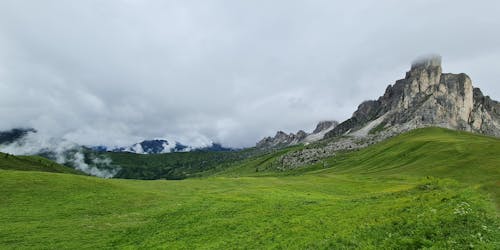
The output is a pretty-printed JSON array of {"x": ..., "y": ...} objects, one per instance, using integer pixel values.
[
  {"x": 282, "y": 139},
  {"x": 324, "y": 125},
  {"x": 427, "y": 97},
  {"x": 485, "y": 116}
]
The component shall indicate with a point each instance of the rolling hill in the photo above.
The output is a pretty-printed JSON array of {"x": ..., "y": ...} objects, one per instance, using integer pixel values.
[
  {"x": 33, "y": 163},
  {"x": 429, "y": 188}
]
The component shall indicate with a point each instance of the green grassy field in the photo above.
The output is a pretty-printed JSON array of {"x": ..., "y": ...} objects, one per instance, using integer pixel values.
[
  {"x": 466, "y": 157},
  {"x": 33, "y": 163},
  {"x": 424, "y": 189}
]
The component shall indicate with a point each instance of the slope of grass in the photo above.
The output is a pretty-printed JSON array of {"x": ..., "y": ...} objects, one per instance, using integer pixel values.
[
  {"x": 431, "y": 151},
  {"x": 438, "y": 152},
  {"x": 424, "y": 189},
  {"x": 260, "y": 165},
  {"x": 33, "y": 163},
  {"x": 42, "y": 210}
]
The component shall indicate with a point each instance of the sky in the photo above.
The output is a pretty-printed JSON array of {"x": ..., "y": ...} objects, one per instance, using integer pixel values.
[{"x": 116, "y": 72}]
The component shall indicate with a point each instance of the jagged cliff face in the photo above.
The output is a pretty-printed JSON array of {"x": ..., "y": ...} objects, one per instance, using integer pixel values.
[
  {"x": 282, "y": 139},
  {"x": 485, "y": 116},
  {"x": 426, "y": 97},
  {"x": 325, "y": 125}
]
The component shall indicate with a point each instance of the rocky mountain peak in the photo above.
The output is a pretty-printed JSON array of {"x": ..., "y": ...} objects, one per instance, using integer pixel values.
[
  {"x": 281, "y": 134},
  {"x": 323, "y": 125},
  {"x": 425, "y": 73},
  {"x": 425, "y": 97},
  {"x": 430, "y": 61},
  {"x": 282, "y": 139},
  {"x": 301, "y": 135}
]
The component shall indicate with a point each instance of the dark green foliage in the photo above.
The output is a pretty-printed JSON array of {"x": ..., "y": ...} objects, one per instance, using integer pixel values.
[{"x": 173, "y": 166}]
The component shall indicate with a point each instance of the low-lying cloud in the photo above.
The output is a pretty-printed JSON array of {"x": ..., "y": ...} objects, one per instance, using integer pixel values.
[
  {"x": 117, "y": 72},
  {"x": 63, "y": 152}
]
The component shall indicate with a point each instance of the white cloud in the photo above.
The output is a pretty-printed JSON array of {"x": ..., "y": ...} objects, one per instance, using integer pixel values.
[{"x": 115, "y": 72}]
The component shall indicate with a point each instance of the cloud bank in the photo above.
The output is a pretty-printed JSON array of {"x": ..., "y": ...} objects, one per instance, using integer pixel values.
[
  {"x": 63, "y": 152},
  {"x": 119, "y": 71}
]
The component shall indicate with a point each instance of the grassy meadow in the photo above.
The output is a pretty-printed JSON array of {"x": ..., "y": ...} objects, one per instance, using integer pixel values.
[{"x": 430, "y": 188}]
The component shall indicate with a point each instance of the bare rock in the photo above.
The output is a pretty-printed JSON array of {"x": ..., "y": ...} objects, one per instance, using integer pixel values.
[
  {"x": 427, "y": 97},
  {"x": 282, "y": 139}
]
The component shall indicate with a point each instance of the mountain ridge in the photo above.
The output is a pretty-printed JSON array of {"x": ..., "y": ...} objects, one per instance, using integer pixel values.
[
  {"x": 282, "y": 139},
  {"x": 427, "y": 97}
]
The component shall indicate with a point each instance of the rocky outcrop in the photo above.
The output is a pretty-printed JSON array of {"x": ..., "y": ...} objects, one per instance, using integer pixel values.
[
  {"x": 313, "y": 155},
  {"x": 426, "y": 97},
  {"x": 282, "y": 139},
  {"x": 324, "y": 125},
  {"x": 485, "y": 116}
]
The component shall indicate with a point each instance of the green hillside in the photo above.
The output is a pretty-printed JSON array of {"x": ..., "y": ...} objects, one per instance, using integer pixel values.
[
  {"x": 172, "y": 166},
  {"x": 463, "y": 156},
  {"x": 437, "y": 152},
  {"x": 33, "y": 163},
  {"x": 424, "y": 189}
]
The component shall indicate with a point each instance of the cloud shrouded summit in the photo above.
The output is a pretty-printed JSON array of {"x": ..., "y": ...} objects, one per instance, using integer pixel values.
[{"x": 117, "y": 72}]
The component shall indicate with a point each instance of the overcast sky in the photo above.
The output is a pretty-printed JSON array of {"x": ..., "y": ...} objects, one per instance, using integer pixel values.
[{"x": 115, "y": 72}]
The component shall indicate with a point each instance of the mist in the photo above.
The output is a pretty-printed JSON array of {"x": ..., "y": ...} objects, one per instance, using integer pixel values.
[
  {"x": 117, "y": 72},
  {"x": 63, "y": 152}
]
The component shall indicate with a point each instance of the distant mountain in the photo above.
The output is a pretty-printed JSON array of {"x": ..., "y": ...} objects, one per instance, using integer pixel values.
[
  {"x": 10, "y": 136},
  {"x": 160, "y": 146},
  {"x": 13, "y": 137},
  {"x": 282, "y": 139},
  {"x": 425, "y": 97},
  {"x": 215, "y": 147},
  {"x": 153, "y": 147}
]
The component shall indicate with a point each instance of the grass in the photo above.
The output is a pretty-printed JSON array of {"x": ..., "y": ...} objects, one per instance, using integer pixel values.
[
  {"x": 33, "y": 163},
  {"x": 381, "y": 200},
  {"x": 314, "y": 211},
  {"x": 469, "y": 158},
  {"x": 172, "y": 166},
  {"x": 466, "y": 157}
]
